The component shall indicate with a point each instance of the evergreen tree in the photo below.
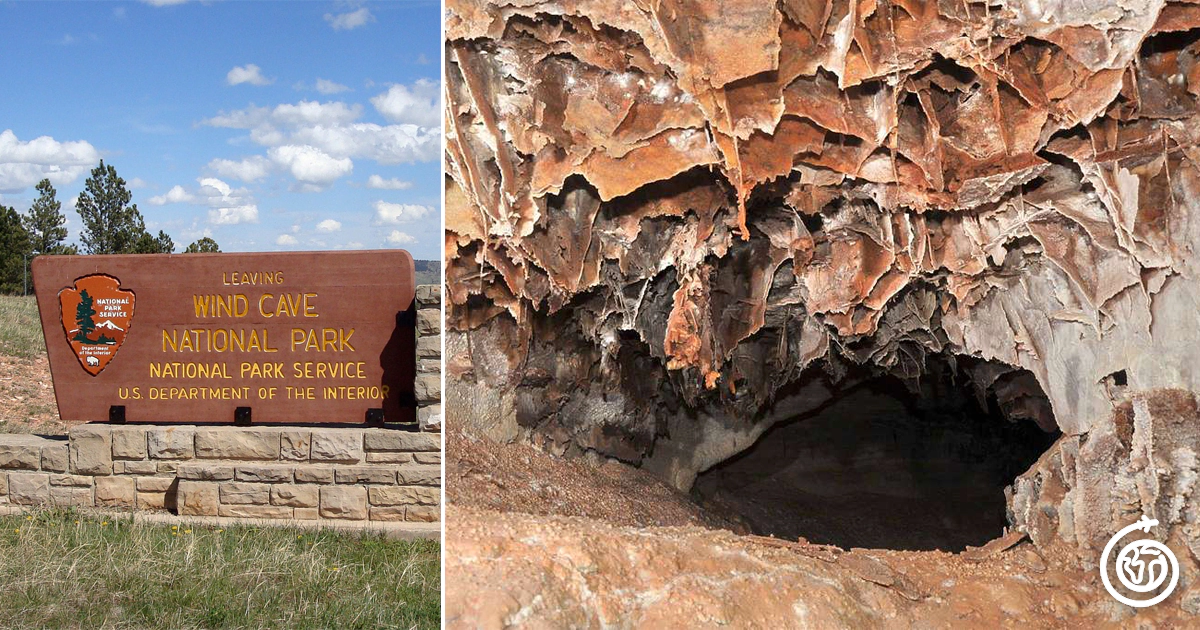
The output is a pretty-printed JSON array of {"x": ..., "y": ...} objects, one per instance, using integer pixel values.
[
  {"x": 147, "y": 244},
  {"x": 83, "y": 317},
  {"x": 45, "y": 222},
  {"x": 110, "y": 224},
  {"x": 14, "y": 250},
  {"x": 205, "y": 245}
]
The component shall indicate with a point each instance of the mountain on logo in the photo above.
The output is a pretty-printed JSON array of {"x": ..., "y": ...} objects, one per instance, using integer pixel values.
[{"x": 95, "y": 339}]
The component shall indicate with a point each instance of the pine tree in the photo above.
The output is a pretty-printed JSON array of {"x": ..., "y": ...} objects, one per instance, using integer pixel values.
[
  {"x": 14, "y": 250},
  {"x": 205, "y": 245},
  {"x": 83, "y": 317},
  {"x": 45, "y": 222},
  {"x": 110, "y": 224},
  {"x": 161, "y": 244}
]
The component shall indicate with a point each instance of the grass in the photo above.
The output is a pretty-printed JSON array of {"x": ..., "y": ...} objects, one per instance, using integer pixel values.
[
  {"x": 71, "y": 569},
  {"x": 20, "y": 328}
]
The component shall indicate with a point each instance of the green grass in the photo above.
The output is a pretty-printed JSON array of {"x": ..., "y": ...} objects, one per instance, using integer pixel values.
[
  {"x": 20, "y": 328},
  {"x": 68, "y": 569}
]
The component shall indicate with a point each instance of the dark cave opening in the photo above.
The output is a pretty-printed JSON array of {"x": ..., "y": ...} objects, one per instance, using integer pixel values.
[{"x": 882, "y": 466}]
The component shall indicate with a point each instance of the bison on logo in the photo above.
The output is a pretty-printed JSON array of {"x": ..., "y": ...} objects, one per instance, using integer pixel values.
[{"x": 95, "y": 316}]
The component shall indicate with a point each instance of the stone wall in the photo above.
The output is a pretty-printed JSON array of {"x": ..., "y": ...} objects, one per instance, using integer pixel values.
[
  {"x": 429, "y": 357},
  {"x": 307, "y": 473}
]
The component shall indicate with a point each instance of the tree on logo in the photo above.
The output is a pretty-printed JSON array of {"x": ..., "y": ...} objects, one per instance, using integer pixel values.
[{"x": 83, "y": 318}]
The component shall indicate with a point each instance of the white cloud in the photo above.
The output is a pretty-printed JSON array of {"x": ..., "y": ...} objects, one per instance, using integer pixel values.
[
  {"x": 249, "y": 169},
  {"x": 393, "y": 213},
  {"x": 286, "y": 240},
  {"x": 354, "y": 245},
  {"x": 326, "y": 86},
  {"x": 234, "y": 215},
  {"x": 248, "y": 73},
  {"x": 400, "y": 238},
  {"x": 376, "y": 181},
  {"x": 227, "y": 205},
  {"x": 24, "y": 164},
  {"x": 349, "y": 21},
  {"x": 176, "y": 195},
  {"x": 416, "y": 104},
  {"x": 315, "y": 113},
  {"x": 422, "y": 59},
  {"x": 329, "y": 225},
  {"x": 136, "y": 183},
  {"x": 330, "y": 127},
  {"x": 163, "y": 3},
  {"x": 310, "y": 165}
]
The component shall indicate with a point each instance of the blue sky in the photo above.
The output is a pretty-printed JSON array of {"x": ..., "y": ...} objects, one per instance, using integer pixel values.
[{"x": 265, "y": 125}]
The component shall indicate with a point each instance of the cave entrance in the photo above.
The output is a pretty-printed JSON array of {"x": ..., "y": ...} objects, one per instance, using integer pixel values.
[{"x": 882, "y": 466}]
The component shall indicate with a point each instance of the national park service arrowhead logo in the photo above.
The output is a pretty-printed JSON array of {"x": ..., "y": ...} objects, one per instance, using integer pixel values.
[{"x": 95, "y": 316}]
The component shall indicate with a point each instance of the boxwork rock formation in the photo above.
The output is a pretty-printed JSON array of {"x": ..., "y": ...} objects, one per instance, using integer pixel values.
[{"x": 672, "y": 225}]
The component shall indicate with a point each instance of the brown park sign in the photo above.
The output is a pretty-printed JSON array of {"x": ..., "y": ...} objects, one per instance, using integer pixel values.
[{"x": 294, "y": 337}]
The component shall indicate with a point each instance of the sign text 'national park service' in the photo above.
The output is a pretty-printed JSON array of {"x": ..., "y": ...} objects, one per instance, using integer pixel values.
[{"x": 295, "y": 337}]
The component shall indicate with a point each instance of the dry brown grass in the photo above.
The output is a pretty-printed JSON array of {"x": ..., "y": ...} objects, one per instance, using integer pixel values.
[{"x": 20, "y": 328}]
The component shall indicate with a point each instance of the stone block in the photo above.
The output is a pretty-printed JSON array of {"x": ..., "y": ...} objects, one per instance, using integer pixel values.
[
  {"x": 387, "y": 457},
  {"x": 428, "y": 388},
  {"x": 196, "y": 471},
  {"x": 365, "y": 474},
  {"x": 428, "y": 458},
  {"x": 135, "y": 468},
  {"x": 20, "y": 453},
  {"x": 404, "y": 495},
  {"x": 56, "y": 457},
  {"x": 295, "y": 496},
  {"x": 129, "y": 443},
  {"x": 429, "y": 418},
  {"x": 171, "y": 442},
  {"x": 3, "y": 484},
  {"x": 429, "y": 295},
  {"x": 429, "y": 347},
  {"x": 116, "y": 492},
  {"x": 237, "y": 493},
  {"x": 429, "y": 366},
  {"x": 71, "y": 496},
  {"x": 237, "y": 443},
  {"x": 344, "y": 502},
  {"x": 314, "y": 474},
  {"x": 152, "y": 500},
  {"x": 91, "y": 450},
  {"x": 392, "y": 440},
  {"x": 429, "y": 321},
  {"x": 306, "y": 514},
  {"x": 422, "y": 513},
  {"x": 264, "y": 474},
  {"x": 393, "y": 513},
  {"x": 255, "y": 511},
  {"x": 167, "y": 468},
  {"x": 26, "y": 488},
  {"x": 419, "y": 475},
  {"x": 197, "y": 498},
  {"x": 79, "y": 481},
  {"x": 294, "y": 445},
  {"x": 337, "y": 445},
  {"x": 154, "y": 484}
]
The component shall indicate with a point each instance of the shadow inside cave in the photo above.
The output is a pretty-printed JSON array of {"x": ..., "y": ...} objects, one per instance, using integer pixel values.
[{"x": 881, "y": 466}]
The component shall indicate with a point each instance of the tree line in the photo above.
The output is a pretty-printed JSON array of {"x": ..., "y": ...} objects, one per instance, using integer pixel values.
[{"x": 111, "y": 225}]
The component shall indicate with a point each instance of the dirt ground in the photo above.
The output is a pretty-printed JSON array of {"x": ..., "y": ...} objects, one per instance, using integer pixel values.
[
  {"x": 536, "y": 541},
  {"x": 27, "y": 397}
]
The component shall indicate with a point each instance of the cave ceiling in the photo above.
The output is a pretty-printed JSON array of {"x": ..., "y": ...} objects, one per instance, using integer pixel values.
[{"x": 682, "y": 204}]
